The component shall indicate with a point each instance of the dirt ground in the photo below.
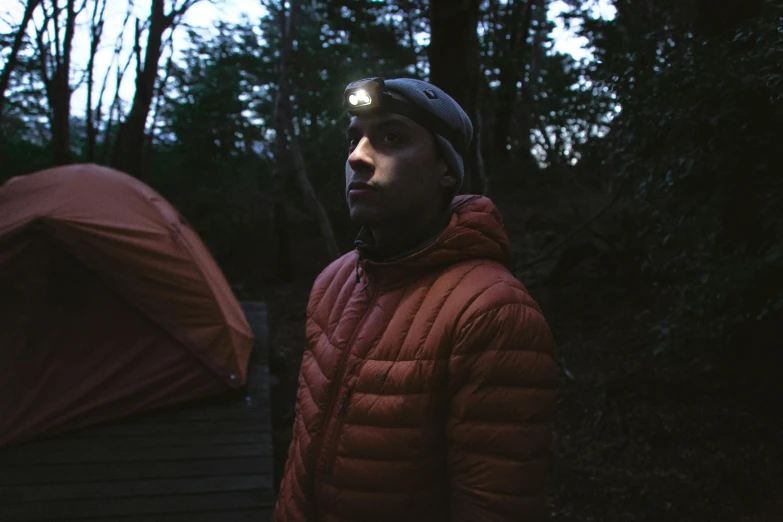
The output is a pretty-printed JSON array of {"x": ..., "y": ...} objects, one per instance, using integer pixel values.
[{"x": 640, "y": 436}]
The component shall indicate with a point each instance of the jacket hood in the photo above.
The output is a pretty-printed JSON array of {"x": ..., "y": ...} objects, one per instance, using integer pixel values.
[{"x": 475, "y": 231}]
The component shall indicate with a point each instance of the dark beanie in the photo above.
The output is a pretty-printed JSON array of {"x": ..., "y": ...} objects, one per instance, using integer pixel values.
[{"x": 434, "y": 100}]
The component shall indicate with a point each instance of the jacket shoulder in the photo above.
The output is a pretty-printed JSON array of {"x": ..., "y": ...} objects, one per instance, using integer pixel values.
[
  {"x": 336, "y": 273},
  {"x": 480, "y": 286}
]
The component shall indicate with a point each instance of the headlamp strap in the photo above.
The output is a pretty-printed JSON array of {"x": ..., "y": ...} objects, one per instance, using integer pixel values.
[{"x": 425, "y": 119}]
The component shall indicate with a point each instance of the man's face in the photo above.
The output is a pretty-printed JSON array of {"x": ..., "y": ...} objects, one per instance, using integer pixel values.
[{"x": 399, "y": 164}]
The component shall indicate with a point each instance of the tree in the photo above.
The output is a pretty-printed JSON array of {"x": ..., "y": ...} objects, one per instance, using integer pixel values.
[
  {"x": 696, "y": 90},
  {"x": 54, "y": 55},
  {"x": 454, "y": 67},
  {"x": 114, "y": 111},
  {"x": 511, "y": 35},
  {"x": 284, "y": 264},
  {"x": 96, "y": 31},
  {"x": 332, "y": 45},
  {"x": 11, "y": 61},
  {"x": 285, "y": 132},
  {"x": 129, "y": 147}
]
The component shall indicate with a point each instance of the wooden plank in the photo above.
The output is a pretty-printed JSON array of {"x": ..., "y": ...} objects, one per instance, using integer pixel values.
[
  {"x": 106, "y": 451},
  {"x": 85, "y": 444},
  {"x": 209, "y": 414},
  {"x": 148, "y": 428},
  {"x": 151, "y": 440},
  {"x": 258, "y": 389},
  {"x": 256, "y": 315},
  {"x": 245, "y": 515},
  {"x": 236, "y": 412},
  {"x": 133, "y": 488},
  {"x": 66, "y": 510},
  {"x": 257, "y": 402},
  {"x": 234, "y": 400},
  {"x": 239, "y": 401},
  {"x": 67, "y": 473},
  {"x": 258, "y": 386}
]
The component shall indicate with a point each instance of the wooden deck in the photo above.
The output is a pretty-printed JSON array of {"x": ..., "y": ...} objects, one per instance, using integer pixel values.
[{"x": 209, "y": 461}]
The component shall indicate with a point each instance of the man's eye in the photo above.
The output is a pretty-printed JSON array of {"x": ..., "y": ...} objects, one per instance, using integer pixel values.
[
  {"x": 352, "y": 144},
  {"x": 391, "y": 137}
]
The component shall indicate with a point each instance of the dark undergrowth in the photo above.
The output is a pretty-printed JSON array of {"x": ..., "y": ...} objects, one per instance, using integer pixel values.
[{"x": 687, "y": 434}]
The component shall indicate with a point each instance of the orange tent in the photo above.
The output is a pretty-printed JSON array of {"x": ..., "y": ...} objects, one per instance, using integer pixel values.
[{"x": 110, "y": 304}]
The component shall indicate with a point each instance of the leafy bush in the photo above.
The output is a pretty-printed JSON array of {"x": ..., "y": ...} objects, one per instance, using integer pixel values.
[{"x": 697, "y": 139}]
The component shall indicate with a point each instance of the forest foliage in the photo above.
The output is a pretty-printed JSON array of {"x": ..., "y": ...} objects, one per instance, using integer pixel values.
[{"x": 664, "y": 140}]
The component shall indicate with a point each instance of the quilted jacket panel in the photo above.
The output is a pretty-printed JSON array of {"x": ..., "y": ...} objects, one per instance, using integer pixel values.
[{"x": 427, "y": 389}]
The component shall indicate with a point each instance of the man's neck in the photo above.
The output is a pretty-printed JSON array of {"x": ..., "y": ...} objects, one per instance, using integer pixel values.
[{"x": 400, "y": 239}]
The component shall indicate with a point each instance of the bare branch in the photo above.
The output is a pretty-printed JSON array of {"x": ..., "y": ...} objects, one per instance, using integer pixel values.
[
  {"x": 159, "y": 91},
  {"x": 137, "y": 48},
  {"x": 115, "y": 59},
  {"x": 408, "y": 17},
  {"x": 176, "y": 13},
  {"x": 284, "y": 126},
  {"x": 7, "y": 21},
  {"x": 574, "y": 232},
  {"x": 56, "y": 22},
  {"x": 96, "y": 31},
  {"x": 78, "y": 11},
  {"x": 43, "y": 49},
  {"x": 129, "y": 148},
  {"x": 115, "y": 108},
  {"x": 11, "y": 61}
]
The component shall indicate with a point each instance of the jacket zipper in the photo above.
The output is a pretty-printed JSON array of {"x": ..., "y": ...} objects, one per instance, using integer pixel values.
[
  {"x": 339, "y": 378},
  {"x": 340, "y": 419}
]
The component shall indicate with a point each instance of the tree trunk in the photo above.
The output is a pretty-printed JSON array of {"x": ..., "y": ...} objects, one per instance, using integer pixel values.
[
  {"x": 454, "y": 67},
  {"x": 58, "y": 87},
  {"x": 285, "y": 270},
  {"x": 127, "y": 155},
  {"x": 129, "y": 149},
  {"x": 61, "y": 106},
  {"x": 114, "y": 107},
  {"x": 10, "y": 64},
  {"x": 512, "y": 60},
  {"x": 311, "y": 198},
  {"x": 159, "y": 93},
  {"x": 408, "y": 12},
  {"x": 474, "y": 163},
  {"x": 96, "y": 30},
  {"x": 294, "y": 158},
  {"x": 118, "y": 45},
  {"x": 524, "y": 109}
]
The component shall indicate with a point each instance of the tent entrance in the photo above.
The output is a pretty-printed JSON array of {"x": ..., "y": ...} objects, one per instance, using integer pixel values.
[{"x": 74, "y": 353}]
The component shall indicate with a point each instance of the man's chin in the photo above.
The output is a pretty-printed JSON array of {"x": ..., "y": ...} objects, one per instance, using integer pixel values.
[{"x": 362, "y": 215}]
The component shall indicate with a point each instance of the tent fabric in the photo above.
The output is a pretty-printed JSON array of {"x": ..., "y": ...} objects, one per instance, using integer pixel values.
[{"x": 110, "y": 304}]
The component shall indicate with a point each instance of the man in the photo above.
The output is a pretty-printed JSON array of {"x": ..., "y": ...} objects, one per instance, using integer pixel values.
[{"x": 428, "y": 386}]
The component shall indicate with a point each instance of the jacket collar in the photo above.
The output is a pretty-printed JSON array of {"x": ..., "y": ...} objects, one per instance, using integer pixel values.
[
  {"x": 367, "y": 248},
  {"x": 475, "y": 231}
]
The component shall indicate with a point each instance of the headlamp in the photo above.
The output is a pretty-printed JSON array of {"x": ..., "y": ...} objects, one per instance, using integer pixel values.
[
  {"x": 370, "y": 95},
  {"x": 360, "y": 98},
  {"x": 364, "y": 95}
]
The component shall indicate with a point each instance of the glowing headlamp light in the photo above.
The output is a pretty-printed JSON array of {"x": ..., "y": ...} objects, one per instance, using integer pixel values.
[
  {"x": 360, "y": 98},
  {"x": 368, "y": 95},
  {"x": 363, "y": 95}
]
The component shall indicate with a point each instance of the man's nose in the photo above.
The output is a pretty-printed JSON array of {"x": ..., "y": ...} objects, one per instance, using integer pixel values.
[{"x": 361, "y": 157}]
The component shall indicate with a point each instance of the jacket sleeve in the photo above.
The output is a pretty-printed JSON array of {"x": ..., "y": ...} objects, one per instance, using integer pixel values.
[
  {"x": 293, "y": 502},
  {"x": 503, "y": 391}
]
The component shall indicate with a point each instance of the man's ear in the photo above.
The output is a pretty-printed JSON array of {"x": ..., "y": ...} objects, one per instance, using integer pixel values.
[{"x": 448, "y": 180}]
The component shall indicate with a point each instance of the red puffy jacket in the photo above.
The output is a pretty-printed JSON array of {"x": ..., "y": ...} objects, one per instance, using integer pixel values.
[{"x": 428, "y": 387}]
